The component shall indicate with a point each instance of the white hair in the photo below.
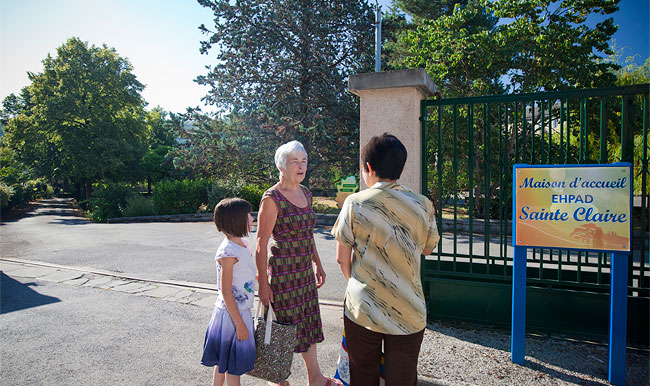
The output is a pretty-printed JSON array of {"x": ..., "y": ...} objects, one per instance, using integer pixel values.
[{"x": 284, "y": 151}]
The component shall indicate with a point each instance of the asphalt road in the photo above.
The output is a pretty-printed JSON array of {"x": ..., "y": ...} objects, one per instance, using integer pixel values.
[
  {"x": 64, "y": 333},
  {"x": 156, "y": 251},
  {"x": 90, "y": 336}
]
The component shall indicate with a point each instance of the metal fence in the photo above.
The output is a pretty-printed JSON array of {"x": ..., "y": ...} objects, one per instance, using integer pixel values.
[{"x": 469, "y": 148}]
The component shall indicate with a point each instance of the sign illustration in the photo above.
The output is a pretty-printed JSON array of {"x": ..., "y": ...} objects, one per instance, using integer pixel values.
[{"x": 573, "y": 206}]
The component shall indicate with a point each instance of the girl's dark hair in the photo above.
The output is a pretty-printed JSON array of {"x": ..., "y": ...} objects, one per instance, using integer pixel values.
[
  {"x": 230, "y": 216},
  {"x": 386, "y": 154}
]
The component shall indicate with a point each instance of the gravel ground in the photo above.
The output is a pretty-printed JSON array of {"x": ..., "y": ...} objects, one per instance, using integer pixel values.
[{"x": 455, "y": 355}]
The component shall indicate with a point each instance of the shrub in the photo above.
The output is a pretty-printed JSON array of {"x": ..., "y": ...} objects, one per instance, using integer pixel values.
[
  {"x": 220, "y": 190},
  {"x": 178, "y": 197},
  {"x": 109, "y": 201},
  {"x": 39, "y": 188},
  {"x": 252, "y": 194},
  {"x": 138, "y": 206},
  {"x": 6, "y": 192},
  {"x": 195, "y": 196}
]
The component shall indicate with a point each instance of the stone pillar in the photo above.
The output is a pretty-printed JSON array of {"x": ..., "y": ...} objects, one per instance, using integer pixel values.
[{"x": 390, "y": 103}]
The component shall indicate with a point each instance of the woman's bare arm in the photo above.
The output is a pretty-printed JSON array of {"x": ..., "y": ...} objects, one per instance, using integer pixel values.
[{"x": 266, "y": 218}]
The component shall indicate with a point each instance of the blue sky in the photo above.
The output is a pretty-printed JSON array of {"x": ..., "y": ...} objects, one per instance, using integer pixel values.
[{"x": 161, "y": 40}]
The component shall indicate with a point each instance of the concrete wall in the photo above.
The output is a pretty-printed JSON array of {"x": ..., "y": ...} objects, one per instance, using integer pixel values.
[{"x": 390, "y": 103}]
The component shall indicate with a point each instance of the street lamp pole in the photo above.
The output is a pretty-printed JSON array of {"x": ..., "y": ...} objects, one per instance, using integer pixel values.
[{"x": 377, "y": 37}]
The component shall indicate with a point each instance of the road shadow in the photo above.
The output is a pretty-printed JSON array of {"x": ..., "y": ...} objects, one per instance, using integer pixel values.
[
  {"x": 18, "y": 296},
  {"x": 71, "y": 221},
  {"x": 325, "y": 232},
  {"x": 9, "y": 216},
  {"x": 62, "y": 208}
]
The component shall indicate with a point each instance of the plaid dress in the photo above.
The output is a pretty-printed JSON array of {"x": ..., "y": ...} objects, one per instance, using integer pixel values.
[{"x": 295, "y": 297}]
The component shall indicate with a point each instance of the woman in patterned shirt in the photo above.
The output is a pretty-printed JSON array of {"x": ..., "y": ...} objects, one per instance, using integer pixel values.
[
  {"x": 289, "y": 279},
  {"x": 380, "y": 235}
]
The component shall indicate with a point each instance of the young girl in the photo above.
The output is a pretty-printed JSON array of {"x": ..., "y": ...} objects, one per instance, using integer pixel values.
[{"x": 229, "y": 344}]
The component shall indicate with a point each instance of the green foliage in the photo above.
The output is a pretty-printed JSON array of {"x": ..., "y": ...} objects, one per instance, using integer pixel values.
[
  {"x": 542, "y": 45},
  {"x": 201, "y": 195},
  {"x": 457, "y": 51},
  {"x": 109, "y": 201},
  {"x": 428, "y": 9},
  {"x": 393, "y": 23},
  {"x": 281, "y": 69},
  {"x": 30, "y": 190},
  {"x": 632, "y": 74},
  {"x": 137, "y": 206},
  {"x": 223, "y": 149},
  {"x": 179, "y": 197},
  {"x": 12, "y": 171},
  {"x": 81, "y": 118},
  {"x": 223, "y": 189},
  {"x": 252, "y": 194},
  {"x": 156, "y": 165},
  {"x": 6, "y": 191},
  {"x": 17, "y": 185},
  {"x": 161, "y": 131}
]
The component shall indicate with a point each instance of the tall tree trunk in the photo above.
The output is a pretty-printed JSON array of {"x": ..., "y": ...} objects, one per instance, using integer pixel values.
[{"x": 89, "y": 187}]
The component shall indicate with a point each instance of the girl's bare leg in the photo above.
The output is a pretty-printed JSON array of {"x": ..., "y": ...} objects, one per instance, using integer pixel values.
[
  {"x": 218, "y": 378},
  {"x": 232, "y": 380}
]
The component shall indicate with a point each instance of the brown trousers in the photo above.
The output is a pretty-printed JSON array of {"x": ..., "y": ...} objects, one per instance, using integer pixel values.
[{"x": 364, "y": 349}]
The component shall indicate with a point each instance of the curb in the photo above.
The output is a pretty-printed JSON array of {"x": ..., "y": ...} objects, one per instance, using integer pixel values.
[
  {"x": 321, "y": 219},
  {"x": 205, "y": 288}
]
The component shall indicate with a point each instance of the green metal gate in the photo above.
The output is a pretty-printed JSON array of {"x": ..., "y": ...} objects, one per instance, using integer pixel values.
[{"x": 469, "y": 148}]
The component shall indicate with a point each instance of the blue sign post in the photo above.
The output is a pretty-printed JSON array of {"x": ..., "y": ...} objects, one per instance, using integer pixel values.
[{"x": 576, "y": 207}]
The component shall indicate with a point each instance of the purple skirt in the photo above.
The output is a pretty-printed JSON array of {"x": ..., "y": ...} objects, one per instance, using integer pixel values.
[{"x": 222, "y": 348}]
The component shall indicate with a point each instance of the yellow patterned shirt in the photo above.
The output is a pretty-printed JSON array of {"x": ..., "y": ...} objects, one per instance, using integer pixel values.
[{"x": 388, "y": 226}]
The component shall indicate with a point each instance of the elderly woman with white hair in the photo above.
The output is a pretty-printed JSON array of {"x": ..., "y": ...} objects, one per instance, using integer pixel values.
[{"x": 290, "y": 277}]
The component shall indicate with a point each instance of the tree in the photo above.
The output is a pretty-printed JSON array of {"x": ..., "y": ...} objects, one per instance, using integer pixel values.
[
  {"x": 457, "y": 51},
  {"x": 84, "y": 119},
  {"x": 633, "y": 74},
  {"x": 156, "y": 165},
  {"x": 393, "y": 24},
  {"x": 13, "y": 105},
  {"x": 225, "y": 148},
  {"x": 161, "y": 132},
  {"x": 542, "y": 45},
  {"x": 539, "y": 45},
  {"x": 552, "y": 47},
  {"x": 428, "y": 9},
  {"x": 281, "y": 72}
]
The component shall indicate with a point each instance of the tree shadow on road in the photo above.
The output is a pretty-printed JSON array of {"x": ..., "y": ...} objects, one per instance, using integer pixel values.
[
  {"x": 324, "y": 232},
  {"x": 45, "y": 207},
  {"x": 18, "y": 296},
  {"x": 71, "y": 221}
]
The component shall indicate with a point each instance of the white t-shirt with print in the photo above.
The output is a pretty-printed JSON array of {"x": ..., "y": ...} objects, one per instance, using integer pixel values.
[{"x": 243, "y": 274}]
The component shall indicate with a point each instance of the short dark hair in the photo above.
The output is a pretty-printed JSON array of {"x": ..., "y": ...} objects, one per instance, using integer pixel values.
[
  {"x": 386, "y": 154},
  {"x": 230, "y": 216}
]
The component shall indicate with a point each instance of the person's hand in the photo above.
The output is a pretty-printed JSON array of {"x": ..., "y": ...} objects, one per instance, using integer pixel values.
[
  {"x": 320, "y": 275},
  {"x": 265, "y": 293},
  {"x": 242, "y": 331}
]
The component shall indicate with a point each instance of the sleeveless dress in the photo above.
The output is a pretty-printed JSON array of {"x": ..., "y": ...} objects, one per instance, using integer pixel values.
[{"x": 292, "y": 280}]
